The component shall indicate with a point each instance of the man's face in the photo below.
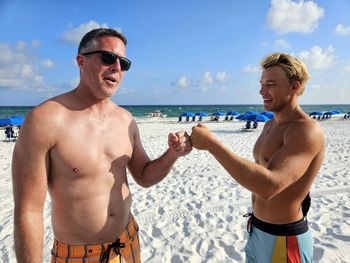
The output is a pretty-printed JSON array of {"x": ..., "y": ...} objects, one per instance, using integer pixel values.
[
  {"x": 101, "y": 78},
  {"x": 276, "y": 90}
]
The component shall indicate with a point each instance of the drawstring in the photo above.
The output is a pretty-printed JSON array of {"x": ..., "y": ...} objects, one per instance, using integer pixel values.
[
  {"x": 249, "y": 223},
  {"x": 116, "y": 246}
]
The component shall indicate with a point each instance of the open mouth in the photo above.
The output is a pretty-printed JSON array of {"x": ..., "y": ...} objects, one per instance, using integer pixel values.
[{"x": 110, "y": 80}]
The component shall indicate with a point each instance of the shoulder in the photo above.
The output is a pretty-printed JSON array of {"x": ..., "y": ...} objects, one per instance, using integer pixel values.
[
  {"x": 305, "y": 131},
  {"x": 43, "y": 123}
]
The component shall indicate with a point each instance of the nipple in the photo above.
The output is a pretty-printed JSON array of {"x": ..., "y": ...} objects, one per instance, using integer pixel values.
[{"x": 75, "y": 170}]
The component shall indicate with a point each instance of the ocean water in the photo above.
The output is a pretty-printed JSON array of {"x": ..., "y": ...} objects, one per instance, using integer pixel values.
[{"x": 175, "y": 110}]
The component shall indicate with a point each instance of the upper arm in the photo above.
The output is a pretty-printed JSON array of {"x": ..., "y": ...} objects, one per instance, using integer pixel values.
[
  {"x": 139, "y": 157},
  {"x": 30, "y": 164},
  {"x": 301, "y": 145}
]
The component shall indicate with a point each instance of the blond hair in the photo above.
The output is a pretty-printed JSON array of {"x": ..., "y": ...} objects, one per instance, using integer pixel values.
[{"x": 294, "y": 68}]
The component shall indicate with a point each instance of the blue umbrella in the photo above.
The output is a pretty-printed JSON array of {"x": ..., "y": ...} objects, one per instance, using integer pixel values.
[
  {"x": 268, "y": 114},
  {"x": 243, "y": 117},
  {"x": 14, "y": 121},
  {"x": 218, "y": 113},
  {"x": 258, "y": 117},
  {"x": 187, "y": 114},
  {"x": 335, "y": 112},
  {"x": 233, "y": 113},
  {"x": 328, "y": 113},
  {"x": 251, "y": 112},
  {"x": 201, "y": 114},
  {"x": 316, "y": 113}
]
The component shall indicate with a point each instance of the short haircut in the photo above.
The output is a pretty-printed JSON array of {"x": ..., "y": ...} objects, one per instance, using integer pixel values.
[
  {"x": 89, "y": 40},
  {"x": 294, "y": 68}
]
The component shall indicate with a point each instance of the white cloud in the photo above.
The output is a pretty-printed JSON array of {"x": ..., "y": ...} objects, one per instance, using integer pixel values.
[
  {"x": 207, "y": 78},
  {"x": 342, "y": 30},
  {"x": 74, "y": 35},
  {"x": 288, "y": 16},
  {"x": 221, "y": 76},
  {"x": 347, "y": 68},
  {"x": 19, "y": 70},
  {"x": 317, "y": 58},
  {"x": 182, "y": 82},
  {"x": 35, "y": 43},
  {"x": 251, "y": 69},
  {"x": 281, "y": 44},
  {"x": 47, "y": 63},
  {"x": 21, "y": 45}
]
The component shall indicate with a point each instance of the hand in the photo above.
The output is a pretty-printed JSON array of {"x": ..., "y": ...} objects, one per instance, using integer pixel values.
[
  {"x": 201, "y": 137},
  {"x": 180, "y": 143}
]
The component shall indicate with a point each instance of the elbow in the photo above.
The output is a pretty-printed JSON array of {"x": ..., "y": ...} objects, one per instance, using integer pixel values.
[
  {"x": 270, "y": 192},
  {"x": 144, "y": 184}
]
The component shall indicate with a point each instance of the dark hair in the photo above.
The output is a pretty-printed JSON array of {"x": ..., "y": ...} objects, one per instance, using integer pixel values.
[{"x": 90, "y": 38}]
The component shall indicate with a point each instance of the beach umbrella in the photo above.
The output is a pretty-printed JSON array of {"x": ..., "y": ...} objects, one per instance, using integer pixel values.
[
  {"x": 257, "y": 117},
  {"x": 318, "y": 113},
  {"x": 14, "y": 121},
  {"x": 243, "y": 117},
  {"x": 335, "y": 112},
  {"x": 187, "y": 114},
  {"x": 218, "y": 113},
  {"x": 201, "y": 114},
  {"x": 268, "y": 114},
  {"x": 251, "y": 112},
  {"x": 233, "y": 113},
  {"x": 328, "y": 113}
]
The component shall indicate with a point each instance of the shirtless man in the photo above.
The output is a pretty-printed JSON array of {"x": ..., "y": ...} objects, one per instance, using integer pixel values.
[
  {"x": 77, "y": 147},
  {"x": 288, "y": 155}
]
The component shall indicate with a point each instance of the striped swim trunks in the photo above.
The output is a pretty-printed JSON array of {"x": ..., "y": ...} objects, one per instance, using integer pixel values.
[
  {"x": 125, "y": 249},
  {"x": 271, "y": 243}
]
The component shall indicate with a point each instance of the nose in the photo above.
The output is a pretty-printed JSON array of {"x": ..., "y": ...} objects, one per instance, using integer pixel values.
[
  {"x": 116, "y": 66},
  {"x": 262, "y": 90}
]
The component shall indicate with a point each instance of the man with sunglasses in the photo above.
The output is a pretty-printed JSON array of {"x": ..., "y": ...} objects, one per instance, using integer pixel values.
[
  {"x": 288, "y": 155},
  {"x": 78, "y": 146}
]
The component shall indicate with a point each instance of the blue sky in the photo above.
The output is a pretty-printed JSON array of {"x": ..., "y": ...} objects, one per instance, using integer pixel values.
[{"x": 182, "y": 52}]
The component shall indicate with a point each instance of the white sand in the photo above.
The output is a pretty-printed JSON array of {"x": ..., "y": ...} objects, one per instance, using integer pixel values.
[{"x": 195, "y": 213}]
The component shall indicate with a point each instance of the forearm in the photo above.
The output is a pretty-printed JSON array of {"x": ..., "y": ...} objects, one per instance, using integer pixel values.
[
  {"x": 28, "y": 236},
  {"x": 250, "y": 175},
  {"x": 156, "y": 170}
]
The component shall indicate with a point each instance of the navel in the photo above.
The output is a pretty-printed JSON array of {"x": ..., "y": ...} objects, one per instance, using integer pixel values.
[{"x": 75, "y": 170}]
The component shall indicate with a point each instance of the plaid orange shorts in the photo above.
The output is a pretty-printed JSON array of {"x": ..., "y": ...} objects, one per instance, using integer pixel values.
[{"x": 125, "y": 249}]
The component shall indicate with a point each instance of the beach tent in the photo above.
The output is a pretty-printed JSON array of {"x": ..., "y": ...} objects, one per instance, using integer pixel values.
[
  {"x": 216, "y": 115},
  {"x": 186, "y": 114},
  {"x": 230, "y": 115},
  {"x": 200, "y": 115},
  {"x": 233, "y": 113},
  {"x": 12, "y": 121}
]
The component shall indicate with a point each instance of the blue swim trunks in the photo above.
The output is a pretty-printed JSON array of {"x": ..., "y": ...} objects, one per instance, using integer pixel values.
[{"x": 271, "y": 243}]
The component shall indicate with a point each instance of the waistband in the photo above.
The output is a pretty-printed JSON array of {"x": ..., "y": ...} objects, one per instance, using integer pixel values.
[
  {"x": 291, "y": 229},
  {"x": 61, "y": 249}
]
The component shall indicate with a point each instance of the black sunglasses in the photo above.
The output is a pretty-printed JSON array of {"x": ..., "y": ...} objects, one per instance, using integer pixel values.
[{"x": 109, "y": 58}]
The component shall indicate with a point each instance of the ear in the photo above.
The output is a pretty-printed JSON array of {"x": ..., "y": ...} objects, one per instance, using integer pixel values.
[
  {"x": 296, "y": 87},
  {"x": 80, "y": 61}
]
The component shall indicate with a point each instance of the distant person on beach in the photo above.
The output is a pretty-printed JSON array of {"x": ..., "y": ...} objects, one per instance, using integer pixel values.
[
  {"x": 288, "y": 155},
  {"x": 77, "y": 146}
]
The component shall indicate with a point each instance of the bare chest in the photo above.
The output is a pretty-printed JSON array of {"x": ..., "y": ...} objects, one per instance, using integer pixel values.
[
  {"x": 267, "y": 144},
  {"x": 88, "y": 149}
]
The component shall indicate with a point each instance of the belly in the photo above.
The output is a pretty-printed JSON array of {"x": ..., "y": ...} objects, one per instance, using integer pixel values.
[{"x": 90, "y": 212}]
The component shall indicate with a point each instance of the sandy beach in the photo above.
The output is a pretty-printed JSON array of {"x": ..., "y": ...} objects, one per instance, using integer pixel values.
[{"x": 196, "y": 213}]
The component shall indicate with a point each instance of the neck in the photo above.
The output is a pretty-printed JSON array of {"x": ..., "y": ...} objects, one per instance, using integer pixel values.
[
  {"x": 88, "y": 101},
  {"x": 286, "y": 114}
]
